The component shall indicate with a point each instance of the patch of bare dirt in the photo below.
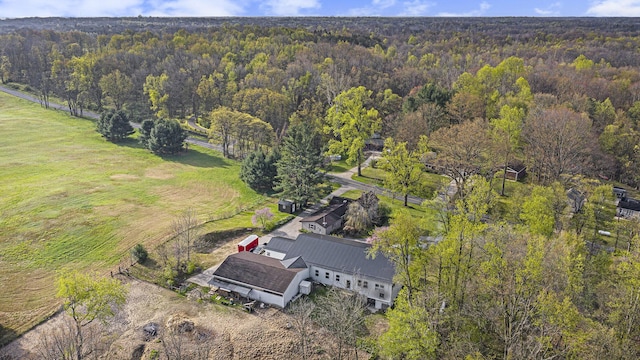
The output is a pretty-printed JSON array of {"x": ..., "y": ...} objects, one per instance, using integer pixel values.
[
  {"x": 159, "y": 173},
  {"x": 124, "y": 177},
  {"x": 215, "y": 331}
]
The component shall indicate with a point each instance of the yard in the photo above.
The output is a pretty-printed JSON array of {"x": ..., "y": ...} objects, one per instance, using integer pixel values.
[
  {"x": 71, "y": 200},
  {"x": 420, "y": 213},
  {"x": 430, "y": 182}
]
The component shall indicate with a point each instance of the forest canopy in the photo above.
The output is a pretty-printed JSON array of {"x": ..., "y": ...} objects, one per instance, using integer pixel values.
[{"x": 466, "y": 97}]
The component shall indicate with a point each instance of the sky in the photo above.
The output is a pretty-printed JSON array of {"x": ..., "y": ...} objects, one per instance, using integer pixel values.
[{"x": 90, "y": 8}]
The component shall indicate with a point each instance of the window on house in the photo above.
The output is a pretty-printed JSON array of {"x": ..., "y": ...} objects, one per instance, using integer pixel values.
[
  {"x": 348, "y": 284},
  {"x": 381, "y": 295},
  {"x": 317, "y": 273},
  {"x": 377, "y": 286},
  {"x": 326, "y": 275},
  {"x": 359, "y": 283},
  {"x": 337, "y": 277},
  {"x": 312, "y": 226},
  {"x": 365, "y": 284}
]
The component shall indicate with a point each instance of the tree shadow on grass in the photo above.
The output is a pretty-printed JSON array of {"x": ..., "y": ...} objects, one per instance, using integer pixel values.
[
  {"x": 130, "y": 142},
  {"x": 198, "y": 158},
  {"x": 192, "y": 156},
  {"x": 6, "y": 336}
]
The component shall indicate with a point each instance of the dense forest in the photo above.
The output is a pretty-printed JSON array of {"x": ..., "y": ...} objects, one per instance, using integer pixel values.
[{"x": 533, "y": 280}]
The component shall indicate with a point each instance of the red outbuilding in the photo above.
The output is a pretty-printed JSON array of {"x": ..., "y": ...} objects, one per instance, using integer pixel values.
[{"x": 248, "y": 244}]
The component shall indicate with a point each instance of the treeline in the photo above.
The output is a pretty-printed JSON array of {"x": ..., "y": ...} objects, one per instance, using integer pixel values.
[{"x": 421, "y": 80}]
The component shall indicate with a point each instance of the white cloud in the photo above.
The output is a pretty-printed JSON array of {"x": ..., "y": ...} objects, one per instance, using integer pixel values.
[
  {"x": 551, "y": 10},
  {"x": 289, "y": 7},
  {"x": 416, "y": 8},
  {"x": 373, "y": 9},
  {"x": 43, "y": 8},
  {"x": 615, "y": 8},
  {"x": 393, "y": 8},
  {"x": 484, "y": 6},
  {"x": 383, "y": 4}
]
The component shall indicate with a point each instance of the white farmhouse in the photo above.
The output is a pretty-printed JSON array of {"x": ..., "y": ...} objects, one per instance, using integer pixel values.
[
  {"x": 278, "y": 276},
  {"x": 342, "y": 263}
]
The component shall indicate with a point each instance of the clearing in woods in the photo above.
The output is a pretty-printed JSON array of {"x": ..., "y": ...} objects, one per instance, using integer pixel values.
[{"x": 71, "y": 200}]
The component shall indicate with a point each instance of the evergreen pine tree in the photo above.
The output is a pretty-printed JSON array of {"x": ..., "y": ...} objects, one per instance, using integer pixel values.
[
  {"x": 166, "y": 137},
  {"x": 299, "y": 165},
  {"x": 114, "y": 125},
  {"x": 259, "y": 170}
]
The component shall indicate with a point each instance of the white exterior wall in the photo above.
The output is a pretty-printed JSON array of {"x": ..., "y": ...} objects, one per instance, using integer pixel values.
[
  {"x": 628, "y": 213},
  {"x": 314, "y": 227},
  {"x": 294, "y": 286},
  {"x": 277, "y": 300},
  {"x": 371, "y": 292},
  {"x": 267, "y": 298}
]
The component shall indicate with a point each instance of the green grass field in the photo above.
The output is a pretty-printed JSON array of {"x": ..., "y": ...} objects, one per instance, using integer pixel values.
[{"x": 71, "y": 200}]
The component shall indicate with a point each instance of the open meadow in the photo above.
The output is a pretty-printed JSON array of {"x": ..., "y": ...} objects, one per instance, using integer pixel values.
[{"x": 71, "y": 200}]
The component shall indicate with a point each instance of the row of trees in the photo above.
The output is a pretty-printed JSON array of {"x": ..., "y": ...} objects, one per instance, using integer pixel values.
[{"x": 162, "y": 136}]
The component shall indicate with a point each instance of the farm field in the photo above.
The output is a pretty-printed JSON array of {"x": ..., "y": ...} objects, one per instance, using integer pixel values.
[{"x": 71, "y": 200}]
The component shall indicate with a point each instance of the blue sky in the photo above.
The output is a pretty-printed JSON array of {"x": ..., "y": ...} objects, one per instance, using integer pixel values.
[{"x": 42, "y": 8}]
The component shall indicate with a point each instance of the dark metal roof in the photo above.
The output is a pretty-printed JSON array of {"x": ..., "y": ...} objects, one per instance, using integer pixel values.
[
  {"x": 294, "y": 263},
  {"x": 256, "y": 270},
  {"x": 329, "y": 216},
  {"x": 347, "y": 256},
  {"x": 516, "y": 167},
  {"x": 629, "y": 204},
  {"x": 279, "y": 244}
]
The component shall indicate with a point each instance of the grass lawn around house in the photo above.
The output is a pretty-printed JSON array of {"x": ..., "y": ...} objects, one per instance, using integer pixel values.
[
  {"x": 71, "y": 200},
  {"x": 430, "y": 181},
  {"x": 339, "y": 166},
  {"x": 371, "y": 176},
  {"x": 419, "y": 212}
]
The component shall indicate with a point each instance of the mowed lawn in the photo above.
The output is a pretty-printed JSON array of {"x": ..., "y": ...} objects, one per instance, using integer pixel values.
[{"x": 71, "y": 200}]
